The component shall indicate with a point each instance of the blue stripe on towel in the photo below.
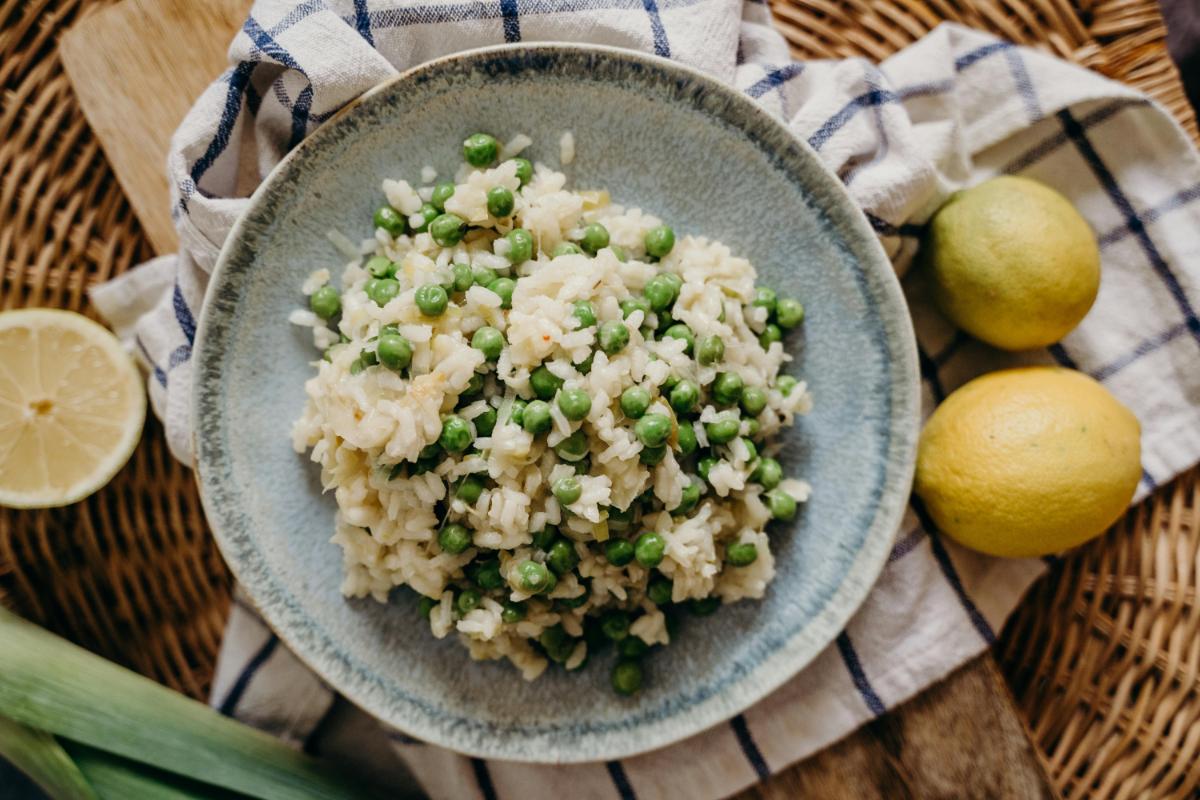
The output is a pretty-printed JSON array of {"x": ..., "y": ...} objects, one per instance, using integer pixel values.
[
  {"x": 854, "y": 666},
  {"x": 483, "y": 779},
  {"x": 947, "y": 566},
  {"x": 661, "y": 46},
  {"x": 1078, "y": 135},
  {"x": 749, "y": 748},
  {"x": 775, "y": 79},
  {"x": 512, "y": 20},
  {"x": 229, "y": 704},
  {"x": 616, "y": 771}
]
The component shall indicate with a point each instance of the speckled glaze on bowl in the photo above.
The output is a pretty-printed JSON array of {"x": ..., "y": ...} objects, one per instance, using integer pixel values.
[{"x": 659, "y": 136}]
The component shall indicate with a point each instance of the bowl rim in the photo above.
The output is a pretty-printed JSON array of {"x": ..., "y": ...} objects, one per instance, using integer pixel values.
[{"x": 776, "y": 668}]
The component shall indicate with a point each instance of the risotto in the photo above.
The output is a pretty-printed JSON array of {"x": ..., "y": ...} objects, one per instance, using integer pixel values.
[{"x": 547, "y": 415}]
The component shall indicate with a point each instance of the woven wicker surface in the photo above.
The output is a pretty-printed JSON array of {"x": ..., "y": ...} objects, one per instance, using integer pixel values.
[{"x": 1104, "y": 655}]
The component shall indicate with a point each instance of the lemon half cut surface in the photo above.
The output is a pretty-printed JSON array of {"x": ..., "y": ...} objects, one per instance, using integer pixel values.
[{"x": 72, "y": 407}]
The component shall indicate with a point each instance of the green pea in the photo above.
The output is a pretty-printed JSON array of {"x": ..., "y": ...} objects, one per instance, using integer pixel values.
[
  {"x": 686, "y": 436},
  {"x": 574, "y": 403},
  {"x": 752, "y": 428},
  {"x": 520, "y": 245},
  {"x": 536, "y": 418},
  {"x": 583, "y": 311},
  {"x": 764, "y": 297},
  {"x": 467, "y": 601},
  {"x": 325, "y": 302},
  {"x": 704, "y": 465},
  {"x": 711, "y": 349},
  {"x": 431, "y": 450},
  {"x": 567, "y": 490},
  {"x": 461, "y": 277},
  {"x": 649, "y": 549},
  {"x": 524, "y": 169},
  {"x": 634, "y": 402},
  {"x": 727, "y": 388},
  {"x": 652, "y": 430},
  {"x": 456, "y": 434},
  {"x": 380, "y": 267},
  {"x": 723, "y": 431},
  {"x": 499, "y": 202},
  {"x": 788, "y": 313},
  {"x": 673, "y": 279},
  {"x": 632, "y": 304},
  {"x": 691, "y": 496},
  {"x": 785, "y": 384},
  {"x": 704, "y": 606},
  {"x": 618, "y": 519},
  {"x": 383, "y": 290},
  {"x": 448, "y": 229},
  {"x": 428, "y": 214},
  {"x": 469, "y": 489},
  {"x": 651, "y": 456},
  {"x": 390, "y": 220},
  {"x": 594, "y": 239},
  {"x": 659, "y": 241},
  {"x": 683, "y": 333},
  {"x": 585, "y": 366},
  {"x": 659, "y": 590},
  {"x": 619, "y": 252},
  {"x": 659, "y": 292},
  {"x": 669, "y": 384},
  {"x": 566, "y": 249},
  {"x": 425, "y": 606},
  {"x": 753, "y": 400},
  {"x": 741, "y": 554},
  {"x": 613, "y": 337},
  {"x": 575, "y": 602},
  {"x": 394, "y": 351},
  {"x": 482, "y": 276},
  {"x": 781, "y": 504},
  {"x": 583, "y": 466},
  {"x": 615, "y": 625},
  {"x": 618, "y": 552},
  {"x": 441, "y": 193},
  {"x": 632, "y": 647},
  {"x": 751, "y": 449},
  {"x": 513, "y": 612},
  {"x": 369, "y": 358},
  {"x": 504, "y": 287},
  {"x": 573, "y": 448},
  {"x": 561, "y": 557},
  {"x": 665, "y": 321},
  {"x": 545, "y": 384},
  {"x": 487, "y": 575},
  {"x": 485, "y": 423},
  {"x": 431, "y": 299},
  {"x": 767, "y": 472},
  {"x": 557, "y": 644},
  {"x": 684, "y": 396},
  {"x": 488, "y": 341},
  {"x": 532, "y": 576},
  {"x": 474, "y": 386},
  {"x": 544, "y": 538},
  {"x": 454, "y": 538},
  {"x": 627, "y": 677},
  {"x": 480, "y": 149},
  {"x": 770, "y": 334},
  {"x": 518, "y": 412}
]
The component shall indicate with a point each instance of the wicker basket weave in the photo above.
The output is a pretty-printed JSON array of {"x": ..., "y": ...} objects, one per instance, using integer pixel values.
[{"x": 1104, "y": 655}]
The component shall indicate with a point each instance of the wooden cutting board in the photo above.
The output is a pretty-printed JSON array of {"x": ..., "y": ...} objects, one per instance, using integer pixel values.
[{"x": 137, "y": 66}]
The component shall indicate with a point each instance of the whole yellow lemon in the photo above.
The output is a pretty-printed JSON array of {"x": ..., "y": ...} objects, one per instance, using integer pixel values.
[
  {"x": 1012, "y": 263},
  {"x": 1028, "y": 461}
]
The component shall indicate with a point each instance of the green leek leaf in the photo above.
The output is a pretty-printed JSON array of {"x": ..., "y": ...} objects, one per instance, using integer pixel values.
[{"x": 42, "y": 758}]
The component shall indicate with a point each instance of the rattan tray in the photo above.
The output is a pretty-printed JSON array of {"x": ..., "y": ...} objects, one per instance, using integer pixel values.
[{"x": 1103, "y": 655}]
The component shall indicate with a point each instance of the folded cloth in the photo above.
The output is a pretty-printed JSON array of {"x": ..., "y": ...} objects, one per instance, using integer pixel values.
[{"x": 955, "y": 108}]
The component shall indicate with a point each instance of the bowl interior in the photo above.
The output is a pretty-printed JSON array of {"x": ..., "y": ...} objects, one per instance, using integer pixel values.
[{"x": 656, "y": 136}]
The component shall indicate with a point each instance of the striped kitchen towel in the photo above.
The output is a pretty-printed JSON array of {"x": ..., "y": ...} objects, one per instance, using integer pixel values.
[{"x": 949, "y": 111}]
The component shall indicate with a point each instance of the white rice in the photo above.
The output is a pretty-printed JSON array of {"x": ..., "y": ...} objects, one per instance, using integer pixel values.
[{"x": 366, "y": 425}]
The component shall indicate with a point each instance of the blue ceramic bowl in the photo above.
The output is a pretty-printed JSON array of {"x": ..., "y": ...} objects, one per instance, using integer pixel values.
[{"x": 659, "y": 136}]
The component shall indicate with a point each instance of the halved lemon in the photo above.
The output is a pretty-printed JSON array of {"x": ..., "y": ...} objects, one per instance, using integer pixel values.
[{"x": 72, "y": 407}]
